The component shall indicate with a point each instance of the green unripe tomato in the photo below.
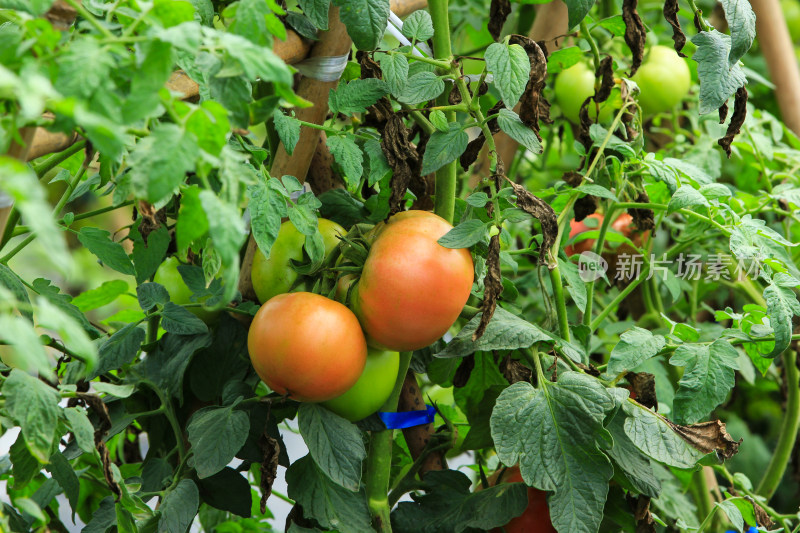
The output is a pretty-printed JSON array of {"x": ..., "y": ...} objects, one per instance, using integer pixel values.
[
  {"x": 371, "y": 390},
  {"x": 664, "y": 80},
  {"x": 576, "y": 84},
  {"x": 275, "y": 275},
  {"x": 791, "y": 12},
  {"x": 179, "y": 293}
]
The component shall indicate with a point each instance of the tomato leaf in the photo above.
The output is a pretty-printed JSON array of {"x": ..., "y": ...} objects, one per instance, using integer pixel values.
[
  {"x": 444, "y": 148},
  {"x": 34, "y": 406},
  {"x": 654, "y": 436},
  {"x": 717, "y": 82},
  {"x": 330, "y": 504},
  {"x": 782, "y": 304},
  {"x": 635, "y": 346},
  {"x": 28, "y": 353},
  {"x": 365, "y": 21},
  {"x": 81, "y": 427},
  {"x": 267, "y": 207},
  {"x": 216, "y": 435},
  {"x": 156, "y": 173},
  {"x": 707, "y": 379},
  {"x": 421, "y": 87},
  {"x": 229, "y": 491},
  {"x": 65, "y": 475},
  {"x": 466, "y": 234},
  {"x": 178, "y": 320},
  {"x": 348, "y": 157},
  {"x": 511, "y": 68},
  {"x": 334, "y": 443},
  {"x": 418, "y": 26},
  {"x": 317, "y": 11},
  {"x": 179, "y": 507},
  {"x": 288, "y": 129},
  {"x": 577, "y": 10},
  {"x": 742, "y": 23},
  {"x": 636, "y": 466},
  {"x": 551, "y": 431},
  {"x": 395, "y": 72},
  {"x": 511, "y": 124}
]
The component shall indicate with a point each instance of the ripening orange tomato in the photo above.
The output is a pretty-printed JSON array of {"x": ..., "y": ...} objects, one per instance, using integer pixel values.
[
  {"x": 411, "y": 289},
  {"x": 536, "y": 517},
  {"x": 623, "y": 224},
  {"x": 307, "y": 346}
]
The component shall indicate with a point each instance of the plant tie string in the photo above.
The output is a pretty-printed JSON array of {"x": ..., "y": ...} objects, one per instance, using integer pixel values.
[
  {"x": 323, "y": 68},
  {"x": 407, "y": 419}
]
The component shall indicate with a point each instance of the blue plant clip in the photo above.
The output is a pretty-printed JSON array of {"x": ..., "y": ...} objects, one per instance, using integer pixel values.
[{"x": 407, "y": 419}]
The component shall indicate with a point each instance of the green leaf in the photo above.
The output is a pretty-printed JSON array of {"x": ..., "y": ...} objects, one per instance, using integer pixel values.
[
  {"x": 395, "y": 72},
  {"x": 21, "y": 184},
  {"x": 216, "y": 435},
  {"x": 317, "y": 11},
  {"x": 64, "y": 302},
  {"x": 120, "y": 391},
  {"x": 686, "y": 196},
  {"x": 575, "y": 285},
  {"x": 444, "y": 148},
  {"x": 12, "y": 282},
  {"x": 654, "y": 436},
  {"x": 478, "y": 199},
  {"x": 25, "y": 465},
  {"x": 597, "y": 190},
  {"x": 504, "y": 332},
  {"x": 348, "y": 156},
  {"x": 635, "y": 466},
  {"x": 192, "y": 222},
  {"x": 34, "y": 406},
  {"x": 333, "y": 506},
  {"x": 439, "y": 120},
  {"x": 551, "y": 433},
  {"x": 250, "y": 20},
  {"x": 782, "y": 304},
  {"x": 365, "y": 21},
  {"x": 267, "y": 207},
  {"x": 577, "y": 11},
  {"x": 465, "y": 234},
  {"x": 155, "y": 172},
  {"x": 288, "y": 129},
  {"x": 378, "y": 165},
  {"x": 72, "y": 335},
  {"x": 179, "y": 320},
  {"x": 151, "y": 294},
  {"x": 110, "y": 253},
  {"x": 228, "y": 234},
  {"x": 28, "y": 354},
  {"x": 81, "y": 427},
  {"x": 334, "y": 443},
  {"x": 229, "y": 491},
  {"x": 65, "y": 475},
  {"x": 510, "y": 123},
  {"x": 103, "y": 518},
  {"x": 707, "y": 378},
  {"x": 421, "y": 87},
  {"x": 742, "y": 23},
  {"x": 449, "y": 505},
  {"x": 167, "y": 364},
  {"x": 564, "y": 58},
  {"x": 511, "y": 68},
  {"x": 418, "y": 26},
  {"x": 179, "y": 508},
  {"x": 718, "y": 80},
  {"x": 357, "y": 96},
  {"x": 148, "y": 257},
  {"x": 102, "y": 295},
  {"x": 257, "y": 62},
  {"x": 635, "y": 346}
]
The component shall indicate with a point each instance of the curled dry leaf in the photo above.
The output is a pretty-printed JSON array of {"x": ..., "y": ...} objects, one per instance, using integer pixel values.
[
  {"x": 635, "y": 33},
  {"x": 105, "y": 459},
  {"x": 541, "y": 210},
  {"x": 492, "y": 286},
  {"x": 605, "y": 71},
  {"x": 671, "y": 16},
  {"x": 643, "y": 385},
  {"x": 585, "y": 124},
  {"x": 402, "y": 157},
  {"x": 762, "y": 517},
  {"x": 697, "y": 25},
  {"x": 270, "y": 450},
  {"x": 643, "y": 218},
  {"x": 464, "y": 371},
  {"x": 96, "y": 404},
  {"x": 470, "y": 155},
  {"x": 454, "y": 98},
  {"x": 708, "y": 437},
  {"x": 723, "y": 113},
  {"x": 151, "y": 219},
  {"x": 584, "y": 207},
  {"x": 514, "y": 371},
  {"x": 369, "y": 68},
  {"x": 572, "y": 178},
  {"x": 737, "y": 119},
  {"x": 61, "y": 15},
  {"x": 640, "y": 506},
  {"x": 498, "y": 13},
  {"x": 532, "y": 105}
]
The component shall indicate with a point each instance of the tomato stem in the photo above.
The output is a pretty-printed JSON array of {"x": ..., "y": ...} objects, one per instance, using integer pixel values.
[{"x": 561, "y": 306}]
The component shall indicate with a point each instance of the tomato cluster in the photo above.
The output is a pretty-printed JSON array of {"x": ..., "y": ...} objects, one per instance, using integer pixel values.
[
  {"x": 409, "y": 292},
  {"x": 623, "y": 224}
]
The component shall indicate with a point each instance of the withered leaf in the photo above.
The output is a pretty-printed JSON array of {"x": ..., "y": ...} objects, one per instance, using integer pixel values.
[
  {"x": 270, "y": 449},
  {"x": 585, "y": 124},
  {"x": 61, "y": 15},
  {"x": 643, "y": 385},
  {"x": 584, "y": 207},
  {"x": 708, "y": 437},
  {"x": 498, "y": 13},
  {"x": 572, "y": 178},
  {"x": 762, "y": 517},
  {"x": 474, "y": 147},
  {"x": 492, "y": 284},
  {"x": 152, "y": 219},
  {"x": 541, "y": 210},
  {"x": 641, "y": 513},
  {"x": 605, "y": 71},
  {"x": 671, "y": 15},
  {"x": 454, "y": 98},
  {"x": 105, "y": 459},
  {"x": 464, "y": 371},
  {"x": 635, "y": 33},
  {"x": 402, "y": 157},
  {"x": 737, "y": 119},
  {"x": 643, "y": 218},
  {"x": 532, "y": 104},
  {"x": 369, "y": 68},
  {"x": 96, "y": 404},
  {"x": 697, "y": 25},
  {"x": 514, "y": 371},
  {"x": 723, "y": 113}
]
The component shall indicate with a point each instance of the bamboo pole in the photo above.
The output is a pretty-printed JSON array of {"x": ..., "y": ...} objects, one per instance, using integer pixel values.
[
  {"x": 773, "y": 36},
  {"x": 550, "y": 25}
]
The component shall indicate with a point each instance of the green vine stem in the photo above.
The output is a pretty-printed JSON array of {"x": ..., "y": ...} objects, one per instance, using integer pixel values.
[
  {"x": 561, "y": 308},
  {"x": 379, "y": 458},
  {"x": 598, "y": 249},
  {"x": 789, "y": 428},
  {"x": 444, "y": 201}
]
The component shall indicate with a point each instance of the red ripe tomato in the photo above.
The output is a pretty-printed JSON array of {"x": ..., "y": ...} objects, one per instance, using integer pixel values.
[
  {"x": 307, "y": 346},
  {"x": 623, "y": 224},
  {"x": 411, "y": 289},
  {"x": 536, "y": 517}
]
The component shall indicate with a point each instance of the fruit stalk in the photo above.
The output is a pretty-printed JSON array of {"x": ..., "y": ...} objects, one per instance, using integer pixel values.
[{"x": 379, "y": 459}]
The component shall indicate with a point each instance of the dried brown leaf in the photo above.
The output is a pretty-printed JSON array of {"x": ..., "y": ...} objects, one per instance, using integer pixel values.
[
  {"x": 671, "y": 15},
  {"x": 105, "y": 459},
  {"x": 533, "y": 106},
  {"x": 723, "y": 113},
  {"x": 643, "y": 218},
  {"x": 474, "y": 147},
  {"x": 270, "y": 450},
  {"x": 640, "y": 506},
  {"x": 96, "y": 404},
  {"x": 737, "y": 120},
  {"x": 605, "y": 71},
  {"x": 498, "y": 13},
  {"x": 708, "y": 437},
  {"x": 541, "y": 210},
  {"x": 762, "y": 517},
  {"x": 464, "y": 371},
  {"x": 585, "y": 123},
  {"x": 572, "y": 178},
  {"x": 635, "y": 33},
  {"x": 402, "y": 157},
  {"x": 369, "y": 68},
  {"x": 584, "y": 207},
  {"x": 514, "y": 370},
  {"x": 493, "y": 286}
]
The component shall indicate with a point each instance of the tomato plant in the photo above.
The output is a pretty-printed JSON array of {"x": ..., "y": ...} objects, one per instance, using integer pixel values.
[
  {"x": 313, "y": 266},
  {"x": 406, "y": 266},
  {"x": 306, "y": 346}
]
